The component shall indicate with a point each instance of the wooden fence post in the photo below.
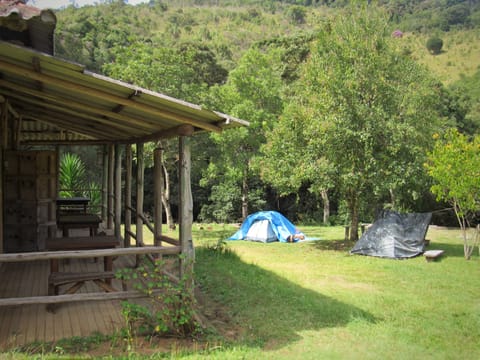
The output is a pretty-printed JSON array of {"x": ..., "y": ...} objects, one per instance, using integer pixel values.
[
  {"x": 186, "y": 214},
  {"x": 158, "y": 186},
  {"x": 128, "y": 195}
]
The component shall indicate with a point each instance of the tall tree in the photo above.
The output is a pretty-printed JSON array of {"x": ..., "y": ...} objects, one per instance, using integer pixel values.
[
  {"x": 362, "y": 109},
  {"x": 252, "y": 92}
]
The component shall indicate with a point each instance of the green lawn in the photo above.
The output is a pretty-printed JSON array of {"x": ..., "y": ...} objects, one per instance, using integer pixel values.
[{"x": 314, "y": 300}]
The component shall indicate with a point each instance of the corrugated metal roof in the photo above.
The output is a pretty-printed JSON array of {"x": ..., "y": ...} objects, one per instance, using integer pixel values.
[{"x": 62, "y": 101}]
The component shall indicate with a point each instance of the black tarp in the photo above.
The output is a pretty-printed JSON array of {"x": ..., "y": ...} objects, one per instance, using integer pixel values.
[{"x": 394, "y": 235}]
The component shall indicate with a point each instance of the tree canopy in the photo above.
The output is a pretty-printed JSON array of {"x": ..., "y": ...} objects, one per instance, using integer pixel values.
[{"x": 361, "y": 117}]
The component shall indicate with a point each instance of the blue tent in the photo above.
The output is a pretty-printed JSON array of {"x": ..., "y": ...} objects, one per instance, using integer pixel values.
[{"x": 267, "y": 226}]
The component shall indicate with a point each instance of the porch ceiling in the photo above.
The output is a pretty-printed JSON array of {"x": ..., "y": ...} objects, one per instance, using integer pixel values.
[{"x": 57, "y": 101}]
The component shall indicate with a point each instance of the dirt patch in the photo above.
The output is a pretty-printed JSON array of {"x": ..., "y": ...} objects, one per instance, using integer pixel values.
[
  {"x": 335, "y": 245},
  {"x": 213, "y": 317}
]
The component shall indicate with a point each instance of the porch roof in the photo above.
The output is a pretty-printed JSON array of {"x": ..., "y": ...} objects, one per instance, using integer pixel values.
[{"x": 58, "y": 101}]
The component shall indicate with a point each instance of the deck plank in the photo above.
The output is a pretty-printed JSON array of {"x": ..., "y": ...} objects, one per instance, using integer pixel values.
[{"x": 21, "y": 325}]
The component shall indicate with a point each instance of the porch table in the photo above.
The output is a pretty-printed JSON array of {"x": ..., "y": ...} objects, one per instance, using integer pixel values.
[{"x": 79, "y": 221}]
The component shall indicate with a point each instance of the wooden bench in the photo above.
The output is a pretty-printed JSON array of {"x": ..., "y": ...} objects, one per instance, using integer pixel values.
[
  {"x": 79, "y": 221},
  {"x": 102, "y": 279},
  {"x": 57, "y": 279},
  {"x": 432, "y": 255}
]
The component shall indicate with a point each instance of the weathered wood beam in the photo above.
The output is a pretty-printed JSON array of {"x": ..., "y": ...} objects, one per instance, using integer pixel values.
[
  {"x": 140, "y": 193},
  {"x": 84, "y": 254},
  {"x": 104, "y": 183},
  {"x": 12, "y": 111},
  {"x": 111, "y": 185},
  {"x": 58, "y": 299},
  {"x": 4, "y": 124},
  {"x": 157, "y": 195},
  {"x": 78, "y": 113},
  {"x": 79, "y": 106},
  {"x": 85, "y": 90},
  {"x": 186, "y": 213},
  {"x": 72, "y": 126},
  {"x": 118, "y": 190},
  {"x": 18, "y": 131},
  {"x": 181, "y": 130},
  {"x": 68, "y": 142},
  {"x": 2, "y": 204},
  {"x": 128, "y": 195},
  {"x": 170, "y": 240}
]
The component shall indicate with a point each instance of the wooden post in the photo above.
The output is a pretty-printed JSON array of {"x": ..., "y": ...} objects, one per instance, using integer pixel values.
[
  {"x": 128, "y": 195},
  {"x": 4, "y": 119},
  {"x": 1, "y": 201},
  {"x": 140, "y": 184},
  {"x": 3, "y": 136},
  {"x": 18, "y": 132},
  {"x": 111, "y": 166},
  {"x": 186, "y": 214},
  {"x": 104, "y": 184},
  {"x": 118, "y": 190},
  {"x": 158, "y": 188}
]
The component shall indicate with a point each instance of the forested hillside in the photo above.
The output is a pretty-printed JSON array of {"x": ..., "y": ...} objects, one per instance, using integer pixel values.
[{"x": 246, "y": 58}]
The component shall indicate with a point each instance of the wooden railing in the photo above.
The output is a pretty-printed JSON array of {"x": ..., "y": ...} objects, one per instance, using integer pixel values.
[
  {"x": 149, "y": 226},
  {"x": 76, "y": 254}
]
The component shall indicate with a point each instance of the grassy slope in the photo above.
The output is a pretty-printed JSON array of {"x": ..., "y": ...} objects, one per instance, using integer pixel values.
[
  {"x": 314, "y": 300},
  {"x": 460, "y": 56}
]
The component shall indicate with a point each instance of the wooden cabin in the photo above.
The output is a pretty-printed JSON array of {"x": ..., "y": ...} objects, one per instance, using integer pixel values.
[{"x": 46, "y": 103}]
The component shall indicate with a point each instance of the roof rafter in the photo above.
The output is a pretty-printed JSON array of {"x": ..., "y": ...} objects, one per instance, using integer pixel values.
[{"x": 82, "y": 89}]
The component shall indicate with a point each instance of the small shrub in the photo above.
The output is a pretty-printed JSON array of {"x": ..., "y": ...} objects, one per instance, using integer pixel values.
[
  {"x": 435, "y": 45},
  {"x": 171, "y": 308},
  {"x": 406, "y": 51}
]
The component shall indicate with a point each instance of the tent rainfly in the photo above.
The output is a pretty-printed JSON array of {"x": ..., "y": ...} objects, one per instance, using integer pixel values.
[{"x": 268, "y": 226}]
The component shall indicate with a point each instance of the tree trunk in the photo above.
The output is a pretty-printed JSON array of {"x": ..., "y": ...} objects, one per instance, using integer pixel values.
[
  {"x": 245, "y": 195},
  {"x": 354, "y": 225},
  {"x": 352, "y": 202},
  {"x": 393, "y": 199},
  {"x": 326, "y": 206}
]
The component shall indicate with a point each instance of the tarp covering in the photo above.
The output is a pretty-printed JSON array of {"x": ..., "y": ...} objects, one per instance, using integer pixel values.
[
  {"x": 394, "y": 235},
  {"x": 260, "y": 226}
]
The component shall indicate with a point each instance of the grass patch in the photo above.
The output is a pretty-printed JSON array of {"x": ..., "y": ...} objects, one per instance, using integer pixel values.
[
  {"x": 460, "y": 54},
  {"x": 317, "y": 300}
]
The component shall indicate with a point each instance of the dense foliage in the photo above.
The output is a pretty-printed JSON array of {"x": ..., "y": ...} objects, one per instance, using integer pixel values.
[{"x": 246, "y": 58}]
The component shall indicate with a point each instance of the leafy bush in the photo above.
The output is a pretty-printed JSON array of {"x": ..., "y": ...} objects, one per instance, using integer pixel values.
[
  {"x": 171, "y": 309},
  {"x": 296, "y": 14},
  {"x": 434, "y": 45}
]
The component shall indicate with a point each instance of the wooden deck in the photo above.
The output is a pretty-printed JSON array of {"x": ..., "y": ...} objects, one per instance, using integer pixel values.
[{"x": 20, "y": 325}]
